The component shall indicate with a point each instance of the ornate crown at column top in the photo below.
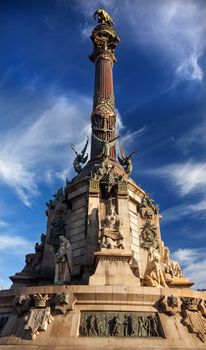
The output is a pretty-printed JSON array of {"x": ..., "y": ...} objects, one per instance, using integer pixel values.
[{"x": 104, "y": 37}]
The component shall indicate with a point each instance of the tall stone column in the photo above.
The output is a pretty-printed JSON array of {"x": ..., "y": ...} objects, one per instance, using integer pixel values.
[{"x": 103, "y": 117}]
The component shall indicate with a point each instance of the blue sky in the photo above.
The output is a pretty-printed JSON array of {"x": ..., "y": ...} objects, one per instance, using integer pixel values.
[{"x": 46, "y": 87}]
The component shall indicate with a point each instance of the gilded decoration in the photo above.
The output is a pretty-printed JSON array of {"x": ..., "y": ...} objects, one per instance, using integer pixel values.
[{"x": 120, "y": 324}]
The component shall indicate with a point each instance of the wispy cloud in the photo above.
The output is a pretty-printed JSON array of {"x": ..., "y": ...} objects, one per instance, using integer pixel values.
[
  {"x": 3, "y": 223},
  {"x": 178, "y": 212},
  {"x": 185, "y": 177},
  {"x": 175, "y": 30},
  {"x": 16, "y": 245},
  {"x": 40, "y": 146},
  {"x": 193, "y": 263}
]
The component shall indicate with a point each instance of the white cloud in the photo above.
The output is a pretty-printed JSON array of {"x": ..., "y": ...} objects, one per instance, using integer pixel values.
[
  {"x": 175, "y": 30},
  {"x": 35, "y": 150},
  {"x": 15, "y": 244},
  {"x": 177, "y": 212},
  {"x": 193, "y": 263},
  {"x": 3, "y": 223},
  {"x": 186, "y": 177}
]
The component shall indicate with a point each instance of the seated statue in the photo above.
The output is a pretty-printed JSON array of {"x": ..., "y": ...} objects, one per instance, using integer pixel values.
[
  {"x": 63, "y": 262},
  {"x": 172, "y": 268},
  {"x": 33, "y": 260},
  {"x": 154, "y": 276},
  {"x": 110, "y": 231}
]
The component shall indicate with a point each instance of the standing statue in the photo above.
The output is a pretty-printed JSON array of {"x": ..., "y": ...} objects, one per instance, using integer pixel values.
[
  {"x": 107, "y": 145},
  {"x": 80, "y": 157},
  {"x": 125, "y": 161},
  {"x": 103, "y": 17},
  {"x": 63, "y": 262}
]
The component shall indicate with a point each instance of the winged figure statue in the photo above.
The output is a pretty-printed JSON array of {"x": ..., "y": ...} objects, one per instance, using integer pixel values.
[
  {"x": 80, "y": 157},
  {"x": 107, "y": 145},
  {"x": 125, "y": 161}
]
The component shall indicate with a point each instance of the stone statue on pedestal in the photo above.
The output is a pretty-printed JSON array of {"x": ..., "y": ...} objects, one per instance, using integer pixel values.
[
  {"x": 110, "y": 231},
  {"x": 154, "y": 276},
  {"x": 63, "y": 262}
]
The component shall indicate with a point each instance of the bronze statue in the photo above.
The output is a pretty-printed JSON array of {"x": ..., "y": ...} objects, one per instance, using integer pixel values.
[
  {"x": 107, "y": 145},
  {"x": 103, "y": 17},
  {"x": 125, "y": 161},
  {"x": 80, "y": 157}
]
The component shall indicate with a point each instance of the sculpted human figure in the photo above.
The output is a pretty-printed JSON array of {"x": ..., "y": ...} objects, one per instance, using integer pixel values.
[
  {"x": 63, "y": 262},
  {"x": 117, "y": 326},
  {"x": 154, "y": 276},
  {"x": 171, "y": 266},
  {"x": 110, "y": 232},
  {"x": 33, "y": 260},
  {"x": 106, "y": 144}
]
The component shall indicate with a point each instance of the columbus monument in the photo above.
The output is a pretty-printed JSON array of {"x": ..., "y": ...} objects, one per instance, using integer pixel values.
[{"x": 101, "y": 277}]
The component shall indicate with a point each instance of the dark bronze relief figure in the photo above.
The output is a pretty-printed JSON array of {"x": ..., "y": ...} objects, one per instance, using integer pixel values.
[{"x": 119, "y": 325}]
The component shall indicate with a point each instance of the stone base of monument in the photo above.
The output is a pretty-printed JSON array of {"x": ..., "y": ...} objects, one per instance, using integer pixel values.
[
  {"x": 102, "y": 317},
  {"x": 112, "y": 268}
]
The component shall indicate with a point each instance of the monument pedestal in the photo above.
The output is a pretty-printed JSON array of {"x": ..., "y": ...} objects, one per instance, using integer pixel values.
[{"x": 113, "y": 269}]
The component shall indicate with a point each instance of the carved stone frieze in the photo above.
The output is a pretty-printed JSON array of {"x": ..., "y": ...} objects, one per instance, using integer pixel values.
[
  {"x": 119, "y": 324},
  {"x": 38, "y": 320},
  {"x": 64, "y": 302}
]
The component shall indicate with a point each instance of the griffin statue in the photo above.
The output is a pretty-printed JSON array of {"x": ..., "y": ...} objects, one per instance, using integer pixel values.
[
  {"x": 80, "y": 157},
  {"x": 125, "y": 161}
]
